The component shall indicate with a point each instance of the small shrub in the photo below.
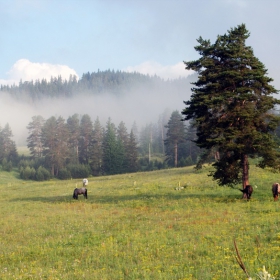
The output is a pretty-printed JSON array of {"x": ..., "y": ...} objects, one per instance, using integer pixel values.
[
  {"x": 24, "y": 163},
  {"x": 28, "y": 173},
  {"x": 64, "y": 174},
  {"x": 7, "y": 165},
  {"x": 79, "y": 170},
  {"x": 42, "y": 174}
]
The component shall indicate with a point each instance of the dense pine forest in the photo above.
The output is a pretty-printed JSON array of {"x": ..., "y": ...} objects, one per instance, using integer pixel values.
[
  {"x": 110, "y": 81},
  {"x": 78, "y": 146}
]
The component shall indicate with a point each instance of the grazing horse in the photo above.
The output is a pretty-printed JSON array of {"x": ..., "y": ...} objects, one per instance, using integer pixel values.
[
  {"x": 275, "y": 191},
  {"x": 85, "y": 182},
  {"x": 80, "y": 191},
  {"x": 247, "y": 191}
]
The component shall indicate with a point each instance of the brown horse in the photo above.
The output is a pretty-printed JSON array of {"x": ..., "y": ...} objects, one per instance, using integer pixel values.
[
  {"x": 77, "y": 191},
  {"x": 247, "y": 191},
  {"x": 275, "y": 191}
]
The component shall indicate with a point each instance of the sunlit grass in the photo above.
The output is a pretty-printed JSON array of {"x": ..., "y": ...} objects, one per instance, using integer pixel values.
[{"x": 137, "y": 226}]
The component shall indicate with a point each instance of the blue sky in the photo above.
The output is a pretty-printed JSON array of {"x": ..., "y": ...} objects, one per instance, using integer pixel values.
[{"x": 42, "y": 38}]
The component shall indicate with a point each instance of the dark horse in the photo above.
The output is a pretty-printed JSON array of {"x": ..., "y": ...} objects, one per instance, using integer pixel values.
[
  {"x": 80, "y": 191},
  {"x": 247, "y": 191},
  {"x": 275, "y": 191}
]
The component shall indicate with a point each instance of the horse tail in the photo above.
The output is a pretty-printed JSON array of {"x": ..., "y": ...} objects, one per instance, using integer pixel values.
[
  {"x": 86, "y": 193},
  {"x": 250, "y": 190},
  {"x": 75, "y": 196},
  {"x": 247, "y": 191},
  {"x": 275, "y": 190}
]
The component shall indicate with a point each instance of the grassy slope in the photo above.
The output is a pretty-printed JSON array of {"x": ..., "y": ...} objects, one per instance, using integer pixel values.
[{"x": 137, "y": 226}]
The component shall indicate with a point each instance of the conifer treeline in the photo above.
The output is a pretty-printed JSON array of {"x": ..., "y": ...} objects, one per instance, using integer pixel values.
[
  {"x": 8, "y": 150},
  {"x": 61, "y": 145},
  {"x": 114, "y": 82},
  {"x": 79, "y": 148}
]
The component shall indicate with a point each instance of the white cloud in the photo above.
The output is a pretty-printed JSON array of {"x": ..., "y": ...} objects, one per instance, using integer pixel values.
[
  {"x": 165, "y": 72},
  {"x": 26, "y": 70}
]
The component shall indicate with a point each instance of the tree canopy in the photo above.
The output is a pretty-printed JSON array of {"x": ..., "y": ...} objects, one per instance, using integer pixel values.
[
  {"x": 232, "y": 106},
  {"x": 176, "y": 134},
  {"x": 116, "y": 83}
]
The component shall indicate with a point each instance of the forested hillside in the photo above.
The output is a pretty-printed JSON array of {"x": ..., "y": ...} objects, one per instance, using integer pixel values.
[
  {"x": 110, "y": 81},
  {"x": 66, "y": 141}
]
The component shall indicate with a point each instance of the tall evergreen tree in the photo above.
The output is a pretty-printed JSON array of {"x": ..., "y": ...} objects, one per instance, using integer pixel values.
[
  {"x": 122, "y": 133},
  {"x": 8, "y": 149},
  {"x": 231, "y": 104},
  {"x": 73, "y": 124},
  {"x": 120, "y": 159},
  {"x": 162, "y": 130},
  {"x": 86, "y": 128},
  {"x": 176, "y": 134},
  {"x": 62, "y": 148},
  {"x": 156, "y": 143},
  {"x": 49, "y": 143},
  {"x": 135, "y": 131},
  {"x": 122, "y": 142},
  {"x": 34, "y": 139},
  {"x": 110, "y": 152},
  {"x": 193, "y": 151},
  {"x": 146, "y": 140},
  {"x": 96, "y": 151},
  {"x": 132, "y": 153},
  {"x": 54, "y": 139}
]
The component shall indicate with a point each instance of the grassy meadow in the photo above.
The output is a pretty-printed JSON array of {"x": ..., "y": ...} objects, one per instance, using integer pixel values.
[{"x": 138, "y": 226}]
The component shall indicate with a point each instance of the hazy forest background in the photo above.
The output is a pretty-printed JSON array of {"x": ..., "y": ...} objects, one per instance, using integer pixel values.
[{"x": 107, "y": 122}]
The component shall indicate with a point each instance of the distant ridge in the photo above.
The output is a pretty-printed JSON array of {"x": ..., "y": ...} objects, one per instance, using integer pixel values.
[{"x": 109, "y": 81}]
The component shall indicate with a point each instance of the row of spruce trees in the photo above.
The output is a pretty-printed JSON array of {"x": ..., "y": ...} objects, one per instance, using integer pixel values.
[
  {"x": 78, "y": 147},
  {"x": 113, "y": 82}
]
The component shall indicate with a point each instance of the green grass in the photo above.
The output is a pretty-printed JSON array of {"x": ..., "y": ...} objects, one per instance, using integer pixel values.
[
  {"x": 137, "y": 226},
  {"x": 23, "y": 151}
]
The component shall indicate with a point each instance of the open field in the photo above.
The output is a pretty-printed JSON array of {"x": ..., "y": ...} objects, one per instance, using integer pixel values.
[
  {"x": 23, "y": 150},
  {"x": 137, "y": 226}
]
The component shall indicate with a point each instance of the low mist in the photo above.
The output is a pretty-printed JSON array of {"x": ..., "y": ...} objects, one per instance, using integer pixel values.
[{"x": 141, "y": 106}]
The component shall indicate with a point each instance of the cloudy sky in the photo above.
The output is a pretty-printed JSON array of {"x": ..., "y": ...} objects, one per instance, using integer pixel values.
[{"x": 43, "y": 38}]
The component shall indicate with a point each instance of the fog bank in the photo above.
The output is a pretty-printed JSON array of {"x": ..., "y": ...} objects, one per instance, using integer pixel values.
[{"x": 142, "y": 106}]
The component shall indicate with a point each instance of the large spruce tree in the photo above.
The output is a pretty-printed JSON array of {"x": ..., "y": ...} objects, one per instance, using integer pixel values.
[
  {"x": 34, "y": 140},
  {"x": 8, "y": 150},
  {"x": 132, "y": 153},
  {"x": 86, "y": 130},
  {"x": 49, "y": 130},
  {"x": 176, "y": 134},
  {"x": 73, "y": 124},
  {"x": 232, "y": 104},
  {"x": 54, "y": 140},
  {"x": 96, "y": 149},
  {"x": 110, "y": 151}
]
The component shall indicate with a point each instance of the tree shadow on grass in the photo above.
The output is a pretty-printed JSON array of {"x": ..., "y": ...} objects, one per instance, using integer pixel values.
[
  {"x": 145, "y": 197},
  {"x": 46, "y": 199}
]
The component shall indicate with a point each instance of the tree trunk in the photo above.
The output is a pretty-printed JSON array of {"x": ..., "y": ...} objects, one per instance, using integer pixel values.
[
  {"x": 217, "y": 156},
  {"x": 149, "y": 152},
  {"x": 77, "y": 154},
  {"x": 245, "y": 172},
  {"x": 52, "y": 170},
  {"x": 162, "y": 139},
  {"x": 175, "y": 154}
]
